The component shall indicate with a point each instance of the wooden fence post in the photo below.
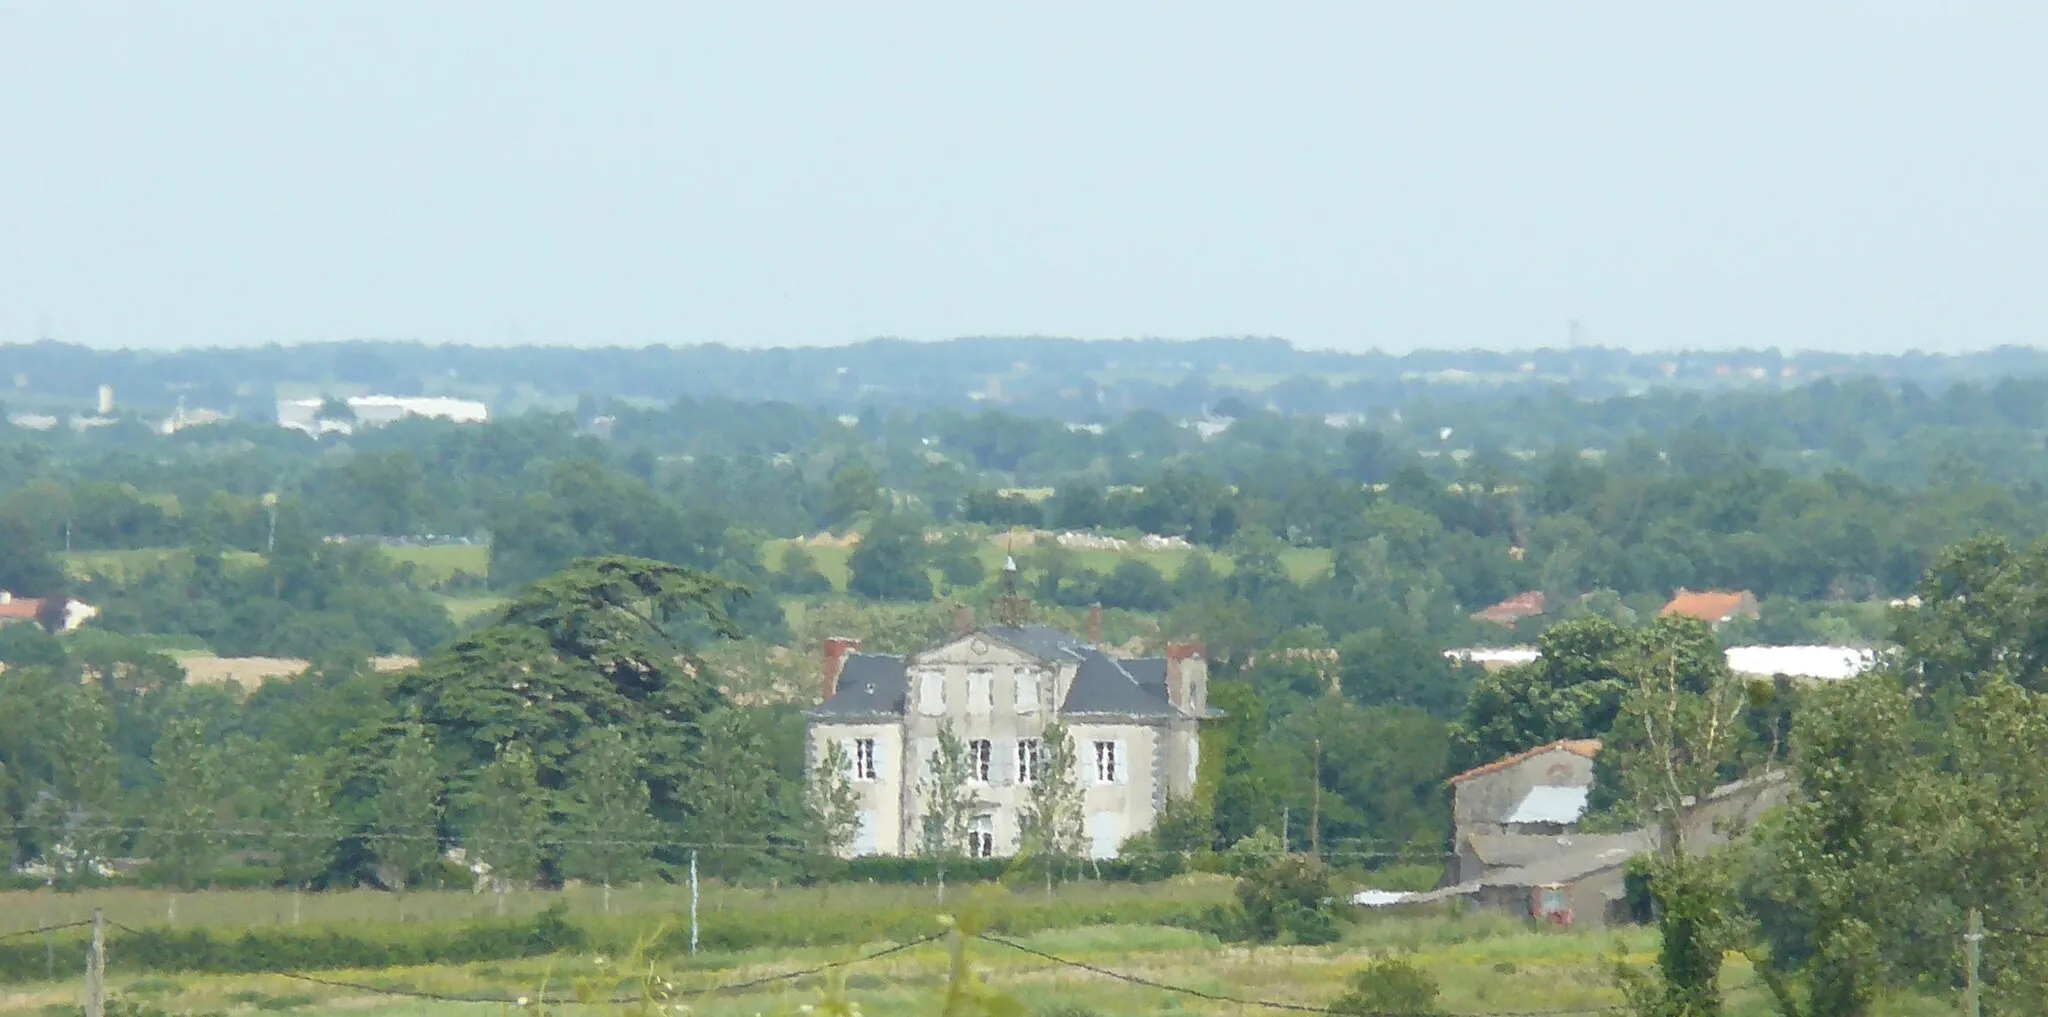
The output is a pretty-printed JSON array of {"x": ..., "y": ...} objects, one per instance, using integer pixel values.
[{"x": 96, "y": 968}]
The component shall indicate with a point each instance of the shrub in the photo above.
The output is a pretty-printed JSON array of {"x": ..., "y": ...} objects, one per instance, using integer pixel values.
[
  {"x": 1254, "y": 851},
  {"x": 1141, "y": 859},
  {"x": 1390, "y": 987},
  {"x": 286, "y": 949},
  {"x": 1288, "y": 899}
]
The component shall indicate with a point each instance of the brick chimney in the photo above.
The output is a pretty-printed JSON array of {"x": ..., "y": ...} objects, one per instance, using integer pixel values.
[
  {"x": 963, "y": 619},
  {"x": 836, "y": 650},
  {"x": 1187, "y": 677},
  {"x": 1095, "y": 625}
]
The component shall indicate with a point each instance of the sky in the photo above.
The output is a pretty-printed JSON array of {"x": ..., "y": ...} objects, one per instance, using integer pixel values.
[{"x": 1853, "y": 176}]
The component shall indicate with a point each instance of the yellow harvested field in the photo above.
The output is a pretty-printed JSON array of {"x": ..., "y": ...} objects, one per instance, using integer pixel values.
[{"x": 251, "y": 672}]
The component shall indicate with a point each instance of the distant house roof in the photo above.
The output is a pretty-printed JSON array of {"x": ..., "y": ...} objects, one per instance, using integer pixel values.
[
  {"x": 1103, "y": 685},
  {"x": 869, "y": 685},
  {"x": 1492, "y": 658},
  {"x": 1041, "y": 641},
  {"x": 1824, "y": 663},
  {"x": 1513, "y": 609},
  {"x": 1149, "y": 671},
  {"x": 1550, "y": 804},
  {"x": 1827, "y": 663},
  {"x": 1575, "y": 860},
  {"x": 1713, "y": 607},
  {"x": 20, "y": 608},
  {"x": 1515, "y": 850},
  {"x": 1585, "y": 747}
]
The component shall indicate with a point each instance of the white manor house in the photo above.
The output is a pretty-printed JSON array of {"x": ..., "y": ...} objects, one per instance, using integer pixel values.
[{"x": 1134, "y": 725}]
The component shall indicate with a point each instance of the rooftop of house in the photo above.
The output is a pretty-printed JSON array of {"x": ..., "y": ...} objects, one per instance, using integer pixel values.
[
  {"x": 870, "y": 685},
  {"x": 1102, "y": 684},
  {"x": 1821, "y": 663},
  {"x": 1041, "y": 641},
  {"x": 1513, "y": 609},
  {"x": 1709, "y": 606},
  {"x": 1515, "y": 850},
  {"x": 14, "y": 608},
  {"x": 1585, "y": 747},
  {"x": 874, "y": 685},
  {"x": 1574, "y": 859}
]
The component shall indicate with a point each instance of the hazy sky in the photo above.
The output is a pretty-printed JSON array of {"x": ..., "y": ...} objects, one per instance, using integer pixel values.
[{"x": 1862, "y": 175}]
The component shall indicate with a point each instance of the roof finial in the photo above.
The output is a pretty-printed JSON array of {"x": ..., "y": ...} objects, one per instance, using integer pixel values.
[{"x": 1011, "y": 607}]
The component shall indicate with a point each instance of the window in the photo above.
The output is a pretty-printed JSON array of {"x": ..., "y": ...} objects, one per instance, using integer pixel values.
[
  {"x": 981, "y": 692},
  {"x": 981, "y": 837},
  {"x": 1106, "y": 769},
  {"x": 1027, "y": 761},
  {"x": 979, "y": 755},
  {"x": 864, "y": 759},
  {"x": 1027, "y": 691},
  {"x": 931, "y": 693}
]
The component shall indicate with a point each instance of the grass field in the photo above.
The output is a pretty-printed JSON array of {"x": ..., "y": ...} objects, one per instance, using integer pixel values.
[
  {"x": 1302, "y": 563},
  {"x": 125, "y": 566},
  {"x": 462, "y": 609},
  {"x": 1483, "y": 967},
  {"x": 436, "y": 565},
  {"x": 1485, "y": 964}
]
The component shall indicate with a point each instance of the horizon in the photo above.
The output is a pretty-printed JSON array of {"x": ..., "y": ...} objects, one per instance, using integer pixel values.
[
  {"x": 1590, "y": 348},
  {"x": 1829, "y": 178}
]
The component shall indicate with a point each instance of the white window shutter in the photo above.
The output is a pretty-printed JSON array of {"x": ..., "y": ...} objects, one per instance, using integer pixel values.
[
  {"x": 1027, "y": 690},
  {"x": 931, "y": 693},
  {"x": 1123, "y": 764},
  {"x": 847, "y": 745},
  {"x": 864, "y": 834},
  {"x": 926, "y": 749}
]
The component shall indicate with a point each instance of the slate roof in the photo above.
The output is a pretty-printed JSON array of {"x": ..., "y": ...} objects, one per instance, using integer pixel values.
[
  {"x": 1103, "y": 685},
  {"x": 1041, "y": 641},
  {"x": 1571, "y": 863},
  {"x": 1549, "y": 803},
  {"x": 1514, "y": 850},
  {"x": 869, "y": 684},
  {"x": 1149, "y": 671}
]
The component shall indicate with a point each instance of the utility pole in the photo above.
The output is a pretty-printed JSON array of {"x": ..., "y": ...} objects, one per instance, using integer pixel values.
[
  {"x": 693, "y": 903},
  {"x": 1973, "y": 943},
  {"x": 1315, "y": 806},
  {"x": 96, "y": 968}
]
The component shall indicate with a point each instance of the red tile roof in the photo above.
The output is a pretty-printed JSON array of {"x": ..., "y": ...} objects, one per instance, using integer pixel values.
[
  {"x": 1586, "y": 747},
  {"x": 1707, "y": 607},
  {"x": 20, "y": 609},
  {"x": 1514, "y": 609}
]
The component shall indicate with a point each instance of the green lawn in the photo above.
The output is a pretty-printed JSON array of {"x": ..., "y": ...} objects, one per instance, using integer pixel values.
[{"x": 437, "y": 565}]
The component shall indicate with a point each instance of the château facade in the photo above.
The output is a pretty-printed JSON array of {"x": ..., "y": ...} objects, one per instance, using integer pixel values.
[{"x": 1134, "y": 725}]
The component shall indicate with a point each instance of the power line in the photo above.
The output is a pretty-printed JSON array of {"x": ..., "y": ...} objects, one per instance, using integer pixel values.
[
  {"x": 47, "y": 928},
  {"x": 1270, "y": 1004}
]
